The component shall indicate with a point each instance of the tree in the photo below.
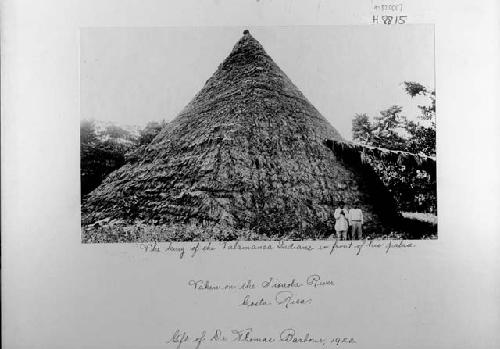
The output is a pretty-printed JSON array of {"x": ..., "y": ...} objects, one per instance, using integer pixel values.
[
  {"x": 394, "y": 131},
  {"x": 383, "y": 132},
  {"x": 422, "y": 136},
  {"x": 362, "y": 128},
  {"x": 422, "y": 139},
  {"x": 101, "y": 153},
  {"x": 413, "y": 190},
  {"x": 386, "y": 130}
]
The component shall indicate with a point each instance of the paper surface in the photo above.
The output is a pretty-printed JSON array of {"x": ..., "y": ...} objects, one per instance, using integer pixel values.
[{"x": 58, "y": 292}]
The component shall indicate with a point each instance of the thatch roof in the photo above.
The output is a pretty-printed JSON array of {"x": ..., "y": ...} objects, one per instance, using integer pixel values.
[{"x": 246, "y": 152}]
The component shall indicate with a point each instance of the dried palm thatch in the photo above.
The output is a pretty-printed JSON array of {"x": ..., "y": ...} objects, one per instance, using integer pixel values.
[
  {"x": 246, "y": 153},
  {"x": 354, "y": 152}
]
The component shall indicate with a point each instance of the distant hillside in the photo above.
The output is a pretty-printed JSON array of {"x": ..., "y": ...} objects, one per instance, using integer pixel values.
[
  {"x": 104, "y": 147},
  {"x": 123, "y": 134}
]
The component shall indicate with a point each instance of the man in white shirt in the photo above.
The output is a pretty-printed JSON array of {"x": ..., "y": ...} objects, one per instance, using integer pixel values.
[
  {"x": 356, "y": 222},
  {"x": 341, "y": 216}
]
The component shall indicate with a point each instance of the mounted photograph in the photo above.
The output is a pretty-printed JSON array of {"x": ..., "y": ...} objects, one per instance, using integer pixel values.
[{"x": 257, "y": 133}]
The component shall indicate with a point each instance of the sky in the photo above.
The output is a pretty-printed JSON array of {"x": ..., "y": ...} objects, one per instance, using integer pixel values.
[{"x": 130, "y": 76}]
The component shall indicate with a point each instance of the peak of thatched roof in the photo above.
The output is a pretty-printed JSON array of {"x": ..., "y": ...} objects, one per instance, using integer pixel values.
[
  {"x": 246, "y": 152},
  {"x": 246, "y": 50},
  {"x": 249, "y": 72}
]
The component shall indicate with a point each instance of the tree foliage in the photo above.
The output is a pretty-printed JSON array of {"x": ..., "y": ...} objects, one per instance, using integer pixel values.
[
  {"x": 394, "y": 131},
  {"x": 386, "y": 130},
  {"x": 422, "y": 136},
  {"x": 362, "y": 129},
  {"x": 413, "y": 190}
]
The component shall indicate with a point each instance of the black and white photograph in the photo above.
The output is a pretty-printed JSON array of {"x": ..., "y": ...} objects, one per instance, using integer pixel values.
[
  {"x": 266, "y": 133},
  {"x": 243, "y": 174}
]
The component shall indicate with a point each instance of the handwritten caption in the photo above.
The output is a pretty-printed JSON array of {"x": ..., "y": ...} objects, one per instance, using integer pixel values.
[
  {"x": 182, "y": 338},
  {"x": 194, "y": 249},
  {"x": 270, "y": 291},
  {"x": 285, "y": 290}
]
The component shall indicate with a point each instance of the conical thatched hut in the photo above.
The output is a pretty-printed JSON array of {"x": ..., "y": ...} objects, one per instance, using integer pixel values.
[{"x": 248, "y": 152}]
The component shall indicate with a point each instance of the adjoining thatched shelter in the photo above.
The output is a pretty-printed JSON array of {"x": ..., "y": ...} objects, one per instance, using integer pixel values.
[
  {"x": 247, "y": 152},
  {"x": 353, "y": 152}
]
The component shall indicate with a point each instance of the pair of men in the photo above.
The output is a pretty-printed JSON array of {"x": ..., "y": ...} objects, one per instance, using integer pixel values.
[{"x": 345, "y": 218}]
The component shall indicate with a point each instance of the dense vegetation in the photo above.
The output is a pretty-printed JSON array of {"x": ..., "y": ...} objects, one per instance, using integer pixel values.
[
  {"x": 413, "y": 189},
  {"x": 392, "y": 130},
  {"x": 104, "y": 150}
]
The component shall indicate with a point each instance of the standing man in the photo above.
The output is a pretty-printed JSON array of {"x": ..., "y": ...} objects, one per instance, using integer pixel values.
[
  {"x": 356, "y": 221},
  {"x": 341, "y": 216}
]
